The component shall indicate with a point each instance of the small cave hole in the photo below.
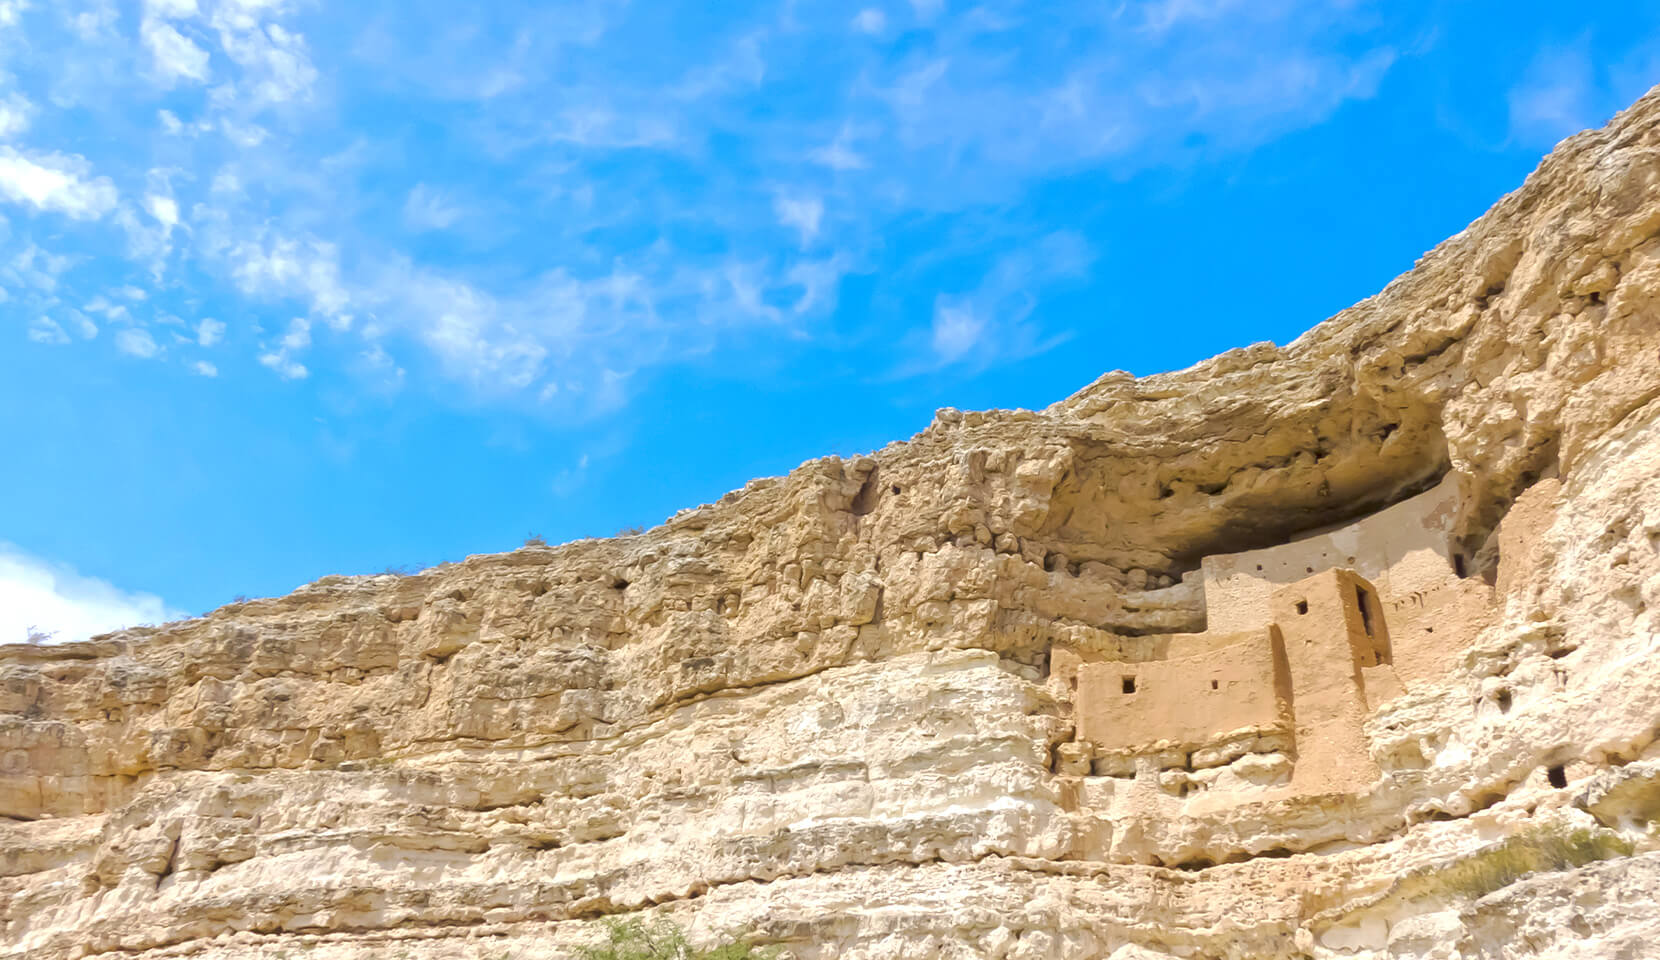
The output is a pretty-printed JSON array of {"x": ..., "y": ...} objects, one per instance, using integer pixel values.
[
  {"x": 1365, "y": 611},
  {"x": 1128, "y": 684},
  {"x": 865, "y": 500},
  {"x": 1309, "y": 569},
  {"x": 895, "y": 489},
  {"x": 1558, "y": 776},
  {"x": 1214, "y": 685},
  {"x": 1302, "y": 606},
  {"x": 1503, "y": 700},
  {"x": 1458, "y": 565}
]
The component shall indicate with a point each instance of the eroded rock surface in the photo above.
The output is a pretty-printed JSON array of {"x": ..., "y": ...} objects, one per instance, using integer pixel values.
[{"x": 1342, "y": 649}]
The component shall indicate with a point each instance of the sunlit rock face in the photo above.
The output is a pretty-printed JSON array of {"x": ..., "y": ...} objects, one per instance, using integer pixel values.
[{"x": 1339, "y": 650}]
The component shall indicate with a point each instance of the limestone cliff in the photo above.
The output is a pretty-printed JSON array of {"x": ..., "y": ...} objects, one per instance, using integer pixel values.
[{"x": 1341, "y": 649}]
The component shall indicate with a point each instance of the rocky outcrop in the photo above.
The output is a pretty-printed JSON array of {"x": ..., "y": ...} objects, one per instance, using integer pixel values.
[{"x": 867, "y": 710}]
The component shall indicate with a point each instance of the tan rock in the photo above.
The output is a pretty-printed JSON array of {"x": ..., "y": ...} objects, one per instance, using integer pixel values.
[{"x": 1389, "y": 595}]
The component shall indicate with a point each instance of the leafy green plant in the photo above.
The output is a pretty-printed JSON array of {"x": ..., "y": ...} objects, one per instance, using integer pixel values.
[{"x": 634, "y": 939}]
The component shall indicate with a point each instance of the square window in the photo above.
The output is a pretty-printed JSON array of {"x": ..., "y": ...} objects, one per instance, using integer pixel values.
[
  {"x": 1129, "y": 684},
  {"x": 1302, "y": 606}
]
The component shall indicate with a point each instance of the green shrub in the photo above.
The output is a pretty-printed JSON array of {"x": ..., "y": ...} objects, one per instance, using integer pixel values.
[{"x": 634, "y": 939}]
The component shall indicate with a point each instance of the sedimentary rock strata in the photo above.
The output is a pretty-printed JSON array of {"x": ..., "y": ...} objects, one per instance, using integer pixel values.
[{"x": 1341, "y": 649}]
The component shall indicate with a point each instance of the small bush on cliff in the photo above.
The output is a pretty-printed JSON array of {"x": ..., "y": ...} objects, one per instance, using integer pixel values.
[{"x": 634, "y": 939}]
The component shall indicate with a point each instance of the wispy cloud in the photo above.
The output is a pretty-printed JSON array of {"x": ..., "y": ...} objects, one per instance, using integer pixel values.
[
  {"x": 54, "y": 600},
  {"x": 209, "y": 332},
  {"x": 1556, "y": 96},
  {"x": 136, "y": 342},
  {"x": 47, "y": 330},
  {"x": 174, "y": 56},
  {"x": 552, "y": 201},
  {"x": 15, "y": 113},
  {"x": 281, "y": 356},
  {"x": 993, "y": 321},
  {"x": 428, "y": 209},
  {"x": 801, "y": 213}
]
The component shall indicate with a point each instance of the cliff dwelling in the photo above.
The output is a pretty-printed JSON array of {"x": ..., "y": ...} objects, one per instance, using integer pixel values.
[
  {"x": 1342, "y": 650},
  {"x": 1302, "y": 642}
]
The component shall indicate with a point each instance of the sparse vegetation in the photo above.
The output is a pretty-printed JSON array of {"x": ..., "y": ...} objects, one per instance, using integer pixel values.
[
  {"x": 631, "y": 531},
  {"x": 536, "y": 540},
  {"x": 634, "y": 939},
  {"x": 35, "y": 636},
  {"x": 1548, "y": 848}
]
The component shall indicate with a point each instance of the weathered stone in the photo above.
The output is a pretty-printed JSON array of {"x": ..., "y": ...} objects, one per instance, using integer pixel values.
[{"x": 1388, "y": 596}]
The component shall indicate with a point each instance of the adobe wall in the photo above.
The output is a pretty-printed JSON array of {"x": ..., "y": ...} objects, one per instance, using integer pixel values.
[
  {"x": 1405, "y": 549},
  {"x": 1332, "y": 642},
  {"x": 1186, "y": 700}
]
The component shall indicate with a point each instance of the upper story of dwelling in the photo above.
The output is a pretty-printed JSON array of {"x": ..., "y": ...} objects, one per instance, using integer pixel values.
[{"x": 1404, "y": 550}]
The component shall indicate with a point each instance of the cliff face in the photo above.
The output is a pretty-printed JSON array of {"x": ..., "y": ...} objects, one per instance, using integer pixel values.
[{"x": 1344, "y": 649}]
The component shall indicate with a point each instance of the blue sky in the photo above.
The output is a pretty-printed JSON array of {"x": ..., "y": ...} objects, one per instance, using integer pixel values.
[{"x": 298, "y": 288}]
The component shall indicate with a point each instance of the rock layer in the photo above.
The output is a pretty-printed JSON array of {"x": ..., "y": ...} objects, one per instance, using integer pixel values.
[{"x": 838, "y": 708}]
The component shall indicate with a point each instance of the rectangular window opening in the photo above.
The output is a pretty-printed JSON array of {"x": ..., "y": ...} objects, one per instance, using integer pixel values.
[
  {"x": 1302, "y": 606},
  {"x": 1129, "y": 684},
  {"x": 1214, "y": 685}
]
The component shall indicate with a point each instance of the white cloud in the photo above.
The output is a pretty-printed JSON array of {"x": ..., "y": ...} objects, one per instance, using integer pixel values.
[
  {"x": 97, "y": 21},
  {"x": 427, "y": 209},
  {"x": 11, "y": 11},
  {"x": 47, "y": 330},
  {"x": 110, "y": 310},
  {"x": 956, "y": 330},
  {"x": 992, "y": 323},
  {"x": 870, "y": 20},
  {"x": 174, "y": 55},
  {"x": 164, "y": 209},
  {"x": 281, "y": 358},
  {"x": 36, "y": 268},
  {"x": 53, "y": 598},
  {"x": 275, "y": 66},
  {"x": 171, "y": 9},
  {"x": 86, "y": 328},
  {"x": 210, "y": 332},
  {"x": 839, "y": 154},
  {"x": 284, "y": 267},
  {"x": 927, "y": 10},
  {"x": 1556, "y": 96},
  {"x": 56, "y": 182},
  {"x": 15, "y": 113},
  {"x": 285, "y": 368},
  {"x": 136, "y": 342},
  {"x": 204, "y": 369},
  {"x": 802, "y": 213}
]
